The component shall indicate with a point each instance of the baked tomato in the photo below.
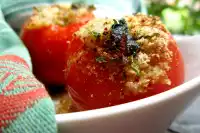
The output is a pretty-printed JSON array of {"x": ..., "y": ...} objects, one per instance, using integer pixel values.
[
  {"x": 47, "y": 33},
  {"x": 112, "y": 61}
]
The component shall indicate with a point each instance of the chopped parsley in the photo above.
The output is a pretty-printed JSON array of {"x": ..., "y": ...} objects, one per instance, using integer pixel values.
[
  {"x": 77, "y": 5},
  {"x": 80, "y": 4},
  {"x": 101, "y": 59},
  {"x": 96, "y": 35},
  {"x": 134, "y": 65},
  {"x": 115, "y": 21},
  {"x": 38, "y": 9},
  {"x": 135, "y": 68},
  {"x": 121, "y": 39},
  {"x": 91, "y": 7},
  {"x": 142, "y": 34}
]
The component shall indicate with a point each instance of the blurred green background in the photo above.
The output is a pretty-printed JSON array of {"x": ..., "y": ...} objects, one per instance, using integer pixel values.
[{"x": 180, "y": 16}]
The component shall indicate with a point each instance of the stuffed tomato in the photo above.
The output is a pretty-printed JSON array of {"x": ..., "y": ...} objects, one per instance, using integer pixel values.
[
  {"x": 47, "y": 33},
  {"x": 111, "y": 61}
]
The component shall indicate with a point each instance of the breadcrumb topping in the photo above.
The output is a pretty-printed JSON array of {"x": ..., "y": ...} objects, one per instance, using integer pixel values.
[
  {"x": 59, "y": 14},
  {"x": 149, "y": 65}
]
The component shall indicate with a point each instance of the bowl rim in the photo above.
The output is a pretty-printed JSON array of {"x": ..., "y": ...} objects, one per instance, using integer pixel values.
[{"x": 130, "y": 106}]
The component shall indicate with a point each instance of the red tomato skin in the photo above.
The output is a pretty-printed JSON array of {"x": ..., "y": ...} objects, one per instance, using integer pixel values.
[
  {"x": 88, "y": 93},
  {"x": 47, "y": 47}
]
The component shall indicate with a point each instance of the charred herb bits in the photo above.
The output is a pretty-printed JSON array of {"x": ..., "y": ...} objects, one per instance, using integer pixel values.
[
  {"x": 122, "y": 46},
  {"x": 121, "y": 41}
]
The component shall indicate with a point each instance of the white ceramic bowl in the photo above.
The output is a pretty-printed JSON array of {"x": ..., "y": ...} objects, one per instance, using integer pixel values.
[{"x": 150, "y": 115}]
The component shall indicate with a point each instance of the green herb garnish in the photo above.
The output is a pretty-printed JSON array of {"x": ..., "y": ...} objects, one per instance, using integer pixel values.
[
  {"x": 91, "y": 7},
  {"x": 134, "y": 65},
  {"x": 95, "y": 34},
  {"x": 100, "y": 59},
  {"x": 121, "y": 39},
  {"x": 115, "y": 21},
  {"x": 77, "y": 5},
  {"x": 136, "y": 69}
]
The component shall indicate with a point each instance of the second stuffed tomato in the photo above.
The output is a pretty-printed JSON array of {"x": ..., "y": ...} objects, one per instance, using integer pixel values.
[
  {"x": 117, "y": 61},
  {"x": 47, "y": 33}
]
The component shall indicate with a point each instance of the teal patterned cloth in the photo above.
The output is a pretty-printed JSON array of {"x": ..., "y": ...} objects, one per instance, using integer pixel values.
[{"x": 25, "y": 104}]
